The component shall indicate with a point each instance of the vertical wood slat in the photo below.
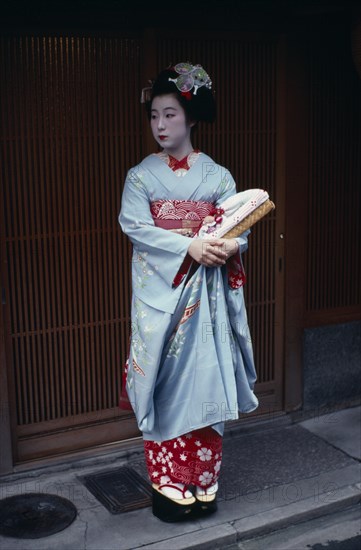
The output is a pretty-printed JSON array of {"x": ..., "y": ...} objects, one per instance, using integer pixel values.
[
  {"x": 333, "y": 263},
  {"x": 243, "y": 139},
  {"x": 68, "y": 262}
]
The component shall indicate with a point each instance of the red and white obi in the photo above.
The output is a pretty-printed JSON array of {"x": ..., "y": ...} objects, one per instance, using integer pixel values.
[{"x": 186, "y": 217}]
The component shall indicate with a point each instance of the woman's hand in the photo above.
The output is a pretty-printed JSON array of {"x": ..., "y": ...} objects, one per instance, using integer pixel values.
[{"x": 212, "y": 252}]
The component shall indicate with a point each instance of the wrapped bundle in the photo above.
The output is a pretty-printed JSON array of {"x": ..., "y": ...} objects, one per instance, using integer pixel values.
[
  {"x": 237, "y": 214},
  {"x": 250, "y": 220}
]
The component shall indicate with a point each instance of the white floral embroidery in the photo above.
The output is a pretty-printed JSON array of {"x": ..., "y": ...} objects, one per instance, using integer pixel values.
[
  {"x": 183, "y": 457},
  {"x": 177, "y": 342},
  {"x": 204, "y": 454},
  {"x": 205, "y": 478},
  {"x": 217, "y": 466},
  {"x": 164, "y": 457},
  {"x": 164, "y": 469},
  {"x": 155, "y": 474},
  {"x": 139, "y": 343},
  {"x": 214, "y": 291},
  {"x": 140, "y": 258},
  {"x": 198, "y": 443},
  {"x": 135, "y": 176},
  {"x": 150, "y": 455}
]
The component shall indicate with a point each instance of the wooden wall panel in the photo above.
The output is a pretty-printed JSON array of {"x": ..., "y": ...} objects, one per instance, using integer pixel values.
[
  {"x": 334, "y": 253},
  {"x": 70, "y": 130}
]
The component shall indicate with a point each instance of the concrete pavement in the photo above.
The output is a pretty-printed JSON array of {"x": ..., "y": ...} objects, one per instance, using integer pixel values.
[
  {"x": 274, "y": 474},
  {"x": 340, "y": 530}
]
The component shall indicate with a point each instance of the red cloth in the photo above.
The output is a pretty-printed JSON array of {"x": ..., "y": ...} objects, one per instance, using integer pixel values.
[
  {"x": 183, "y": 213},
  {"x": 124, "y": 403},
  {"x": 193, "y": 459},
  {"x": 235, "y": 271},
  {"x": 176, "y": 164},
  {"x": 173, "y": 214}
]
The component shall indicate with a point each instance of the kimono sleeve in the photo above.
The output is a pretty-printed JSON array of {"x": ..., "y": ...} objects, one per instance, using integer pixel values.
[{"x": 163, "y": 250}]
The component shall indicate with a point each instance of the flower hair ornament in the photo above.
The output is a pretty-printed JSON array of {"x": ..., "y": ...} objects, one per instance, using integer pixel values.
[{"x": 190, "y": 76}]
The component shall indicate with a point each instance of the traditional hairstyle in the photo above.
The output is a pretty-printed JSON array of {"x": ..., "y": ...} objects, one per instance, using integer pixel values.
[{"x": 192, "y": 87}]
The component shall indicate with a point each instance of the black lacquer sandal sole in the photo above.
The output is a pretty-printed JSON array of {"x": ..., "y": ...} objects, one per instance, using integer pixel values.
[
  {"x": 204, "y": 508},
  {"x": 169, "y": 510}
]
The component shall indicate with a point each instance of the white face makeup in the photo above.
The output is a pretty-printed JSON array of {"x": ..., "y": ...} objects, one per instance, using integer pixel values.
[{"x": 170, "y": 127}]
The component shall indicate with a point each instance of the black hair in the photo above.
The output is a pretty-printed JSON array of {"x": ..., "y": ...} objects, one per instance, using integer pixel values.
[{"x": 198, "y": 107}]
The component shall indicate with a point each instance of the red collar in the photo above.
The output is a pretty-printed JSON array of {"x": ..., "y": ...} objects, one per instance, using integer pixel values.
[{"x": 176, "y": 164}]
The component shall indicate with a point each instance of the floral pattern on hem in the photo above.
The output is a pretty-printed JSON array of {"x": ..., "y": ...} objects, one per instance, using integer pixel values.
[{"x": 193, "y": 459}]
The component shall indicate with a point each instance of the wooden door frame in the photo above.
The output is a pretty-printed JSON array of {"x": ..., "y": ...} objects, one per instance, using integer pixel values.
[
  {"x": 7, "y": 394},
  {"x": 279, "y": 244},
  {"x": 296, "y": 114},
  {"x": 6, "y": 451}
]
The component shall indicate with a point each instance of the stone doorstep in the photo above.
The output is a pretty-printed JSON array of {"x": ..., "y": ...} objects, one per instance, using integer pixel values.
[{"x": 220, "y": 536}]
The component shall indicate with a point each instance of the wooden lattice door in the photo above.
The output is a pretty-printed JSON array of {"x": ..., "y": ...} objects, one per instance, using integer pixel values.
[
  {"x": 70, "y": 130},
  {"x": 71, "y": 126}
]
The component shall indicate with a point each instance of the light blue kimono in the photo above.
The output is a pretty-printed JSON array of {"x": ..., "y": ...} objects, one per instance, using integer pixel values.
[{"x": 191, "y": 360}]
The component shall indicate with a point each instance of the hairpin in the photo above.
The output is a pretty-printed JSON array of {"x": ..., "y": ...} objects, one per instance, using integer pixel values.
[
  {"x": 190, "y": 76},
  {"x": 146, "y": 93}
]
